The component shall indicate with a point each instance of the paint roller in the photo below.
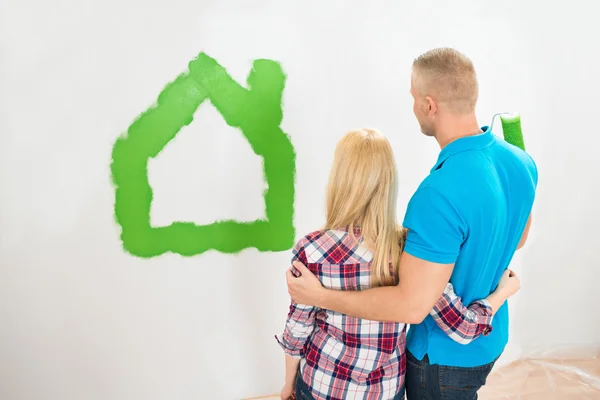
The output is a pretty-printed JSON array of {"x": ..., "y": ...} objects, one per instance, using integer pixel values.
[{"x": 511, "y": 127}]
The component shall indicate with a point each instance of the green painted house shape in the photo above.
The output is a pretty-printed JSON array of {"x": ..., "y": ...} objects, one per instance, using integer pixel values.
[{"x": 257, "y": 112}]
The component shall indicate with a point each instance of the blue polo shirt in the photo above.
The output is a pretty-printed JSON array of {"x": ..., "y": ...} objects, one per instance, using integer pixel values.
[{"x": 471, "y": 211}]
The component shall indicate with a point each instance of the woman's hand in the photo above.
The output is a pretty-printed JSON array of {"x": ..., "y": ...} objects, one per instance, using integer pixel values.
[
  {"x": 287, "y": 393},
  {"x": 509, "y": 284}
]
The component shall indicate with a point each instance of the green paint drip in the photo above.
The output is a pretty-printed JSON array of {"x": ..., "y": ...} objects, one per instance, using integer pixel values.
[
  {"x": 511, "y": 126},
  {"x": 257, "y": 112}
]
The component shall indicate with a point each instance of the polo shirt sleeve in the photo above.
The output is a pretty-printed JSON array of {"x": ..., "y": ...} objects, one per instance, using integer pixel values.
[{"x": 436, "y": 229}]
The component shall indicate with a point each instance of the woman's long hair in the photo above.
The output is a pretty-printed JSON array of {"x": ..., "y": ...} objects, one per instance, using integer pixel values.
[{"x": 362, "y": 192}]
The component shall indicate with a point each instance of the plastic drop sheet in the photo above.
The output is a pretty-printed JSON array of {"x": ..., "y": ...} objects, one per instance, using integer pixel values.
[
  {"x": 559, "y": 374},
  {"x": 571, "y": 374}
]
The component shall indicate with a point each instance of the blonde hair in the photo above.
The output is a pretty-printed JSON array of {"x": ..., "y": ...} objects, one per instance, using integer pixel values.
[
  {"x": 449, "y": 77},
  {"x": 362, "y": 192}
]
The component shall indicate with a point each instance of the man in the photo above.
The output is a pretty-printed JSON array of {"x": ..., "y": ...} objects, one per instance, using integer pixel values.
[{"x": 465, "y": 222}]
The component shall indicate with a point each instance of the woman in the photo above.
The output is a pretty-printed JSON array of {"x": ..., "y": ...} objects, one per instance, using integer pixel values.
[{"x": 334, "y": 356}]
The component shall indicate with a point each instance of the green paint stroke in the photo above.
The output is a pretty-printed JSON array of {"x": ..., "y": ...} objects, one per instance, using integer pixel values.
[{"x": 257, "y": 112}]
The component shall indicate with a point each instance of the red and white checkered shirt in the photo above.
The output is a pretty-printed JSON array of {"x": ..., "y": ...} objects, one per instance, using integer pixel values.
[{"x": 344, "y": 357}]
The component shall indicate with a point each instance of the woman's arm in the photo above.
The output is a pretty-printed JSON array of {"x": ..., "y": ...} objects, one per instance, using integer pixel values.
[
  {"x": 509, "y": 285},
  {"x": 465, "y": 324},
  {"x": 462, "y": 324},
  {"x": 291, "y": 369},
  {"x": 299, "y": 327}
]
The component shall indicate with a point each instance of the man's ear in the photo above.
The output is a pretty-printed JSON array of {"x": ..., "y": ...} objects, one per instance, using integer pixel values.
[{"x": 431, "y": 105}]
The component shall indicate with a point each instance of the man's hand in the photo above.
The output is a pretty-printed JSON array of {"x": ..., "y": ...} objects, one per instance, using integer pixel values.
[{"x": 306, "y": 288}]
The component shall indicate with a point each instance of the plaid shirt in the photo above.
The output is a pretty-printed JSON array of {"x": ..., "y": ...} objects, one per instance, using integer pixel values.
[
  {"x": 462, "y": 324},
  {"x": 344, "y": 357}
]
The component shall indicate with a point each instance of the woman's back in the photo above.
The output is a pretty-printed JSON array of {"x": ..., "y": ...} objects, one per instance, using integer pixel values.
[{"x": 343, "y": 356}]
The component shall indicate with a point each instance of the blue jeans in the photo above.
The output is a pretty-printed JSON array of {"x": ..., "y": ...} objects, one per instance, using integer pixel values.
[
  {"x": 303, "y": 391},
  {"x": 437, "y": 382}
]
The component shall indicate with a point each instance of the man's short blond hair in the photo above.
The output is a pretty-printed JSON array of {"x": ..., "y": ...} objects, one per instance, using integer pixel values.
[{"x": 449, "y": 77}]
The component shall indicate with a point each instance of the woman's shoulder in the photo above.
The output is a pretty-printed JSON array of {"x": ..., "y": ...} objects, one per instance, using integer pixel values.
[
  {"x": 306, "y": 246},
  {"x": 320, "y": 246},
  {"x": 310, "y": 238},
  {"x": 322, "y": 237}
]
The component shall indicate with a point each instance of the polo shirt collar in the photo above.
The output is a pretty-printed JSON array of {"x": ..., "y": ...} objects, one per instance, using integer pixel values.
[{"x": 463, "y": 144}]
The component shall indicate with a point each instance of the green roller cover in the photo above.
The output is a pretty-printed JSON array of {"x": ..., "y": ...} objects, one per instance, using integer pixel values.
[{"x": 511, "y": 126}]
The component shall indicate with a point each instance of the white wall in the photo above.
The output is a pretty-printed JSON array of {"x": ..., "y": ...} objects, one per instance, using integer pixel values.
[
  {"x": 560, "y": 268},
  {"x": 82, "y": 319}
]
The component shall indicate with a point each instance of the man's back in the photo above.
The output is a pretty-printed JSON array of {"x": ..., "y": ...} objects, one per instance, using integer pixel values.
[{"x": 476, "y": 201}]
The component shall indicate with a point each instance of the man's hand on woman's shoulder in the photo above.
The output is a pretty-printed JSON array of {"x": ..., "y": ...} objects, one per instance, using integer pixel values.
[{"x": 303, "y": 286}]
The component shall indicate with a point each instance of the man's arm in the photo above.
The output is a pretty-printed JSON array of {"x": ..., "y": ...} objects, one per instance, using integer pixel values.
[
  {"x": 436, "y": 232},
  {"x": 421, "y": 284},
  {"x": 525, "y": 233}
]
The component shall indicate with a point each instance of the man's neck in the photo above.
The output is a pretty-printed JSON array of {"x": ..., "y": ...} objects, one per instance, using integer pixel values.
[{"x": 455, "y": 128}]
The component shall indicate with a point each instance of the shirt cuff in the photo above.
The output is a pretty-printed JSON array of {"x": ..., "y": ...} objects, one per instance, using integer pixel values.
[
  {"x": 431, "y": 256},
  {"x": 289, "y": 350},
  {"x": 487, "y": 307}
]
